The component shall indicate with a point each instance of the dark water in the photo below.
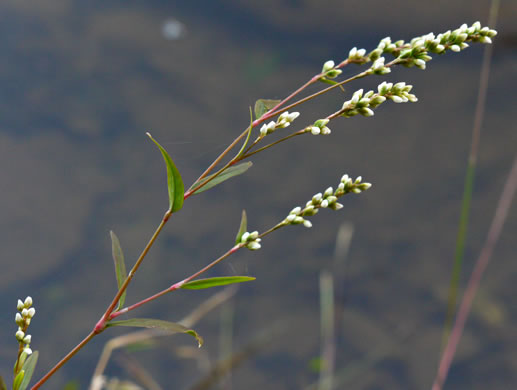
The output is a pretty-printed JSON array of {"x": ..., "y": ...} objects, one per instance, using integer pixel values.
[{"x": 81, "y": 83}]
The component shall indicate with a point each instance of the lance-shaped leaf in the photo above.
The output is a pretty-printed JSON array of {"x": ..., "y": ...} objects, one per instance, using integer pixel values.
[
  {"x": 28, "y": 367},
  {"x": 174, "y": 181},
  {"x": 227, "y": 174},
  {"x": 200, "y": 284},
  {"x": 264, "y": 105},
  {"x": 171, "y": 327},
  {"x": 243, "y": 228},
  {"x": 247, "y": 137},
  {"x": 120, "y": 266}
]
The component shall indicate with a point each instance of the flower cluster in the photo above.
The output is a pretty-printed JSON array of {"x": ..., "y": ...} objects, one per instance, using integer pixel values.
[
  {"x": 251, "y": 240},
  {"x": 415, "y": 53},
  {"x": 365, "y": 103},
  {"x": 329, "y": 70},
  {"x": 319, "y": 127},
  {"x": 326, "y": 200},
  {"x": 283, "y": 120},
  {"x": 23, "y": 320},
  {"x": 357, "y": 56}
]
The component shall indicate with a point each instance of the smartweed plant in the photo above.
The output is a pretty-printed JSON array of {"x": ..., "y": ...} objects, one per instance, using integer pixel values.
[{"x": 268, "y": 117}]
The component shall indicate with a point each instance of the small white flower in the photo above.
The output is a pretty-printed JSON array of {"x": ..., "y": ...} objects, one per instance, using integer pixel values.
[
  {"x": 297, "y": 210},
  {"x": 420, "y": 63},
  {"x": 18, "y": 319},
  {"x": 263, "y": 130},
  {"x": 315, "y": 130},
  {"x": 31, "y": 312},
  {"x": 357, "y": 95},
  {"x": 27, "y": 339},
  {"x": 338, "y": 206},
  {"x": 290, "y": 218},
  {"x": 254, "y": 236},
  {"x": 20, "y": 305},
  {"x": 328, "y": 66},
  {"x": 307, "y": 223},
  {"x": 317, "y": 198},
  {"x": 28, "y": 351},
  {"x": 325, "y": 131},
  {"x": 292, "y": 116},
  {"x": 455, "y": 48},
  {"x": 397, "y": 99},
  {"x": 352, "y": 53},
  {"x": 28, "y": 302},
  {"x": 20, "y": 335},
  {"x": 325, "y": 203},
  {"x": 245, "y": 236}
]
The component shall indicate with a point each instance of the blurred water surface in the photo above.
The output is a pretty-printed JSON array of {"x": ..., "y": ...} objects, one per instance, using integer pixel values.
[{"x": 81, "y": 83}]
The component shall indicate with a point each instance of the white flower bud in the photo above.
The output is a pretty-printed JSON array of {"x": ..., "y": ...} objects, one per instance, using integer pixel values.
[
  {"x": 20, "y": 304},
  {"x": 455, "y": 48},
  {"x": 290, "y": 217},
  {"x": 245, "y": 236},
  {"x": 341, "y": 186},
  {"x": 328, "y": 66},
  {"x": 316, "y": 198},
  {"x": 315, "y": 130},
  {"x": 361, "y": 52},
  {"x": 20, "y": 335},
  {"x": 365, "y": 186},
  {"x": 337, "y": 206},
  {"x": 420, "y": 63},
  {"x": 28, "y": 351},
  {"x": 18, "y": 319},
  {"x": 296, "y": 210},
  {"x": 28, "y": 302},
  {"x": 329, "y": 191},
  {"x": 325, "y": 203},
  {"x": 325, "y": 131},
  {"x": 345, "y": 179},
  {"x": 298, "y": 220},
  {"x": 27, "y": 339},
  {"x": 263, "y": 130},
  {"x": 25, "y": 312},
  {"x": 254, "y": 235},
  {"x": 396, "y": 99},
  {"x": 292, "y": 116},
  {"x": 31, "y": 312},
  {"x": 352, "y": 53},
  {"x": 307, "y": 223},
  {"x": 357, "y": 95},
  {"x": 365, "y": 111}
]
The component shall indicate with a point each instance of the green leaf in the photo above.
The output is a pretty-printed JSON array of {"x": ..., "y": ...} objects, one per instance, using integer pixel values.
[
  {"x": 174, "y": 181},
  {"x": 215, "y": 282},
  {"x": 264, "y": 105},
  {"x": 18, "y": 380},
  {"x": 247, "y": 137},
  {"x": 228, "y": 174},
  {"x": 28, "y": 367},
  {"x": 171, "y": 327},
  {"x": 242, "y": 228},
  {"x": 3, "y": 386},
  {"x": 120, "y": 266}
]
